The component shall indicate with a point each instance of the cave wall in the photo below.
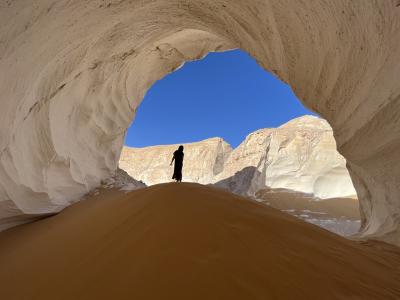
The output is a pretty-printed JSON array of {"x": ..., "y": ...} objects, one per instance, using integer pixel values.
[{"x": 72, "y": 74}]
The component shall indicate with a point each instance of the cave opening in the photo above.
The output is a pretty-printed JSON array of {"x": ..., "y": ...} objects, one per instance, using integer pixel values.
[
  {"x": 243, "y": 130},
  {"x": 73, "y": 75},
  {"x": 225, "y": 94},
  {"x": 69, "y": 97}
]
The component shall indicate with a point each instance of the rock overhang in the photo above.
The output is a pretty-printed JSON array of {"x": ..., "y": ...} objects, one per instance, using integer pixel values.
[{"x": 73, "y": 73}]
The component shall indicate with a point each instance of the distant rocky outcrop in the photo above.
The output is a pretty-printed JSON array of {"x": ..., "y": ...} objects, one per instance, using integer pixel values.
[
  {"x": 300, "y": 155},
  {"x": 203, "y": 161}
]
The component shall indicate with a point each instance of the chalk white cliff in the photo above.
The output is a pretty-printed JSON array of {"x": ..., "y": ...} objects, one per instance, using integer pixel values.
[
  {"x": 203, "y": 161},
  {"x": 300, "y": 155}
]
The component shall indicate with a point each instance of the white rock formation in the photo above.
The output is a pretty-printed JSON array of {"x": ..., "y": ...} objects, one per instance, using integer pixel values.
[
  {"x": 203, "y": 161},
  {"x": 72, "y": 74},
  {"x": 122, "y": 181},
  {"x": 300, "y": 155}
]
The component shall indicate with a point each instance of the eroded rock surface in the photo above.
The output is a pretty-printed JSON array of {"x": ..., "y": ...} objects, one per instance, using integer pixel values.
[
  {"x": 203, "y": 161},
  {"x": 300, "y": 155},
  {"x": 72, "y": 74}
]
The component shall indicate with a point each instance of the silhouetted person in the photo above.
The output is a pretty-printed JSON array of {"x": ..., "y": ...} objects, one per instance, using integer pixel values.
[{"x": 178, "y": 157}]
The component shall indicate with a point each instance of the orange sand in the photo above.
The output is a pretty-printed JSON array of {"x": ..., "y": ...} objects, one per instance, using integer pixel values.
[{"x": 187, "y": 241}]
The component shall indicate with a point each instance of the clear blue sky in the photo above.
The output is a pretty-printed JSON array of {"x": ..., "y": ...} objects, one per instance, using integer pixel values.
[{"x": 225, "y": 94}]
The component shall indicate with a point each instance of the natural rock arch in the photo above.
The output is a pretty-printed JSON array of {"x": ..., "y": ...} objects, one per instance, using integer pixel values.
[{"x": 72, "y": 74}]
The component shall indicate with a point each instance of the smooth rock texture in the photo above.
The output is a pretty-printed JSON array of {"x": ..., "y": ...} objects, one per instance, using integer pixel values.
[
  {"x": 72, "y": 74},
  {"x": 300, "y": 155}
]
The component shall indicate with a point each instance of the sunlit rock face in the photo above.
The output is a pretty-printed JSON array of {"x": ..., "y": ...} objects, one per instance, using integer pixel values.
[
  {"x": 202, "y": 162},
  {"x": 72, "y": 74},
  {"x": 300, "y": 155}
]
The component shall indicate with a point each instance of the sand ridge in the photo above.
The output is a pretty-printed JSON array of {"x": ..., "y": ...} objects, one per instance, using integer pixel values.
[{"x": 187, "y": 241}]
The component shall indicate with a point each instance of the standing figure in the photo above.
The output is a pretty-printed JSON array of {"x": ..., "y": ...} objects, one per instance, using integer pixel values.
[{"x": 178, "y": 157}]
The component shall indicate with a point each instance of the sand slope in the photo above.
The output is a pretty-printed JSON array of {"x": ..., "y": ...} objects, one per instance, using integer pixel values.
[{"x": 186, "y": 241}]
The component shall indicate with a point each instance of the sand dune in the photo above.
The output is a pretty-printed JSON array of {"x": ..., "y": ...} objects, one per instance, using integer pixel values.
[{"x": 187, "y": 241}]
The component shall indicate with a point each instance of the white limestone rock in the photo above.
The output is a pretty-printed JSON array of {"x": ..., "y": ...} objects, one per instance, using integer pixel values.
[
  {"x": 300, "y": 155},
  {"x": 203, "y": 161},
  {"x": 72, "y": 74},
  {"x": 122, "y": 181}
]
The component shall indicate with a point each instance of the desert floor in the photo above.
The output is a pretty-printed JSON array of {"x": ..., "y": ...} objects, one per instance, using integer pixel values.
[
  {"x": 187, "y": 241},
  {"x": 339, "y": 215}
]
